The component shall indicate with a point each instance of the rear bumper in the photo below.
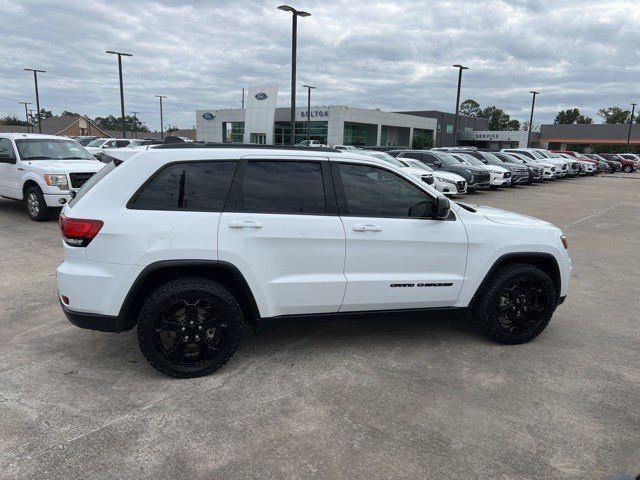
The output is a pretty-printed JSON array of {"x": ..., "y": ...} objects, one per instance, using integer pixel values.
[{"x": 93, "y": 321}]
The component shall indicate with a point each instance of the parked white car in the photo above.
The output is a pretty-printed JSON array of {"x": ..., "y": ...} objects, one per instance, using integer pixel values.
[
  {"x": 42, "y": 170},
  {"x": 500, "y": 176},
  {"x": 549, "y": 168},
  {"x": 328, "y": 235},
  {"x": 448, "y": 183},
  {"x": 100, "y": 144},
  {"x": 562, "y": 165}
]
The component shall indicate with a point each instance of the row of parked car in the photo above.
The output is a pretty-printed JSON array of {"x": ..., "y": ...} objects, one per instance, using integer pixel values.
[{"x": 458, "y": 170}]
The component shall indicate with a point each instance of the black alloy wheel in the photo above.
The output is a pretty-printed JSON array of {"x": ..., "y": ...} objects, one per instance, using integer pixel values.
[
  {"x": 189, "y": 327},
  {"x": 516, "y": 305}
]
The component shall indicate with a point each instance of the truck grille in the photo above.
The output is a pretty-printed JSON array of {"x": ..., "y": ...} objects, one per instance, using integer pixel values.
[{"x": 79, "y": 179}]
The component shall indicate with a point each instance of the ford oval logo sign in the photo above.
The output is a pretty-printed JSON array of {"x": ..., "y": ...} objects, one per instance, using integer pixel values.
[
  {"x": 261, "y": 96},
  {"x": 208, "y": 116}
]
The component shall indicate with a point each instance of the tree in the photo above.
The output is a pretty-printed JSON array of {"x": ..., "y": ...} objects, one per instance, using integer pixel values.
[
  {"x": 44, "y": 114},
  {"x": 525, "y": 127},
  {"x": 571, "y": 116},
  {"x": 421, "y": 142},
  {"x": 66, "y": 113},
  {"x": 498, "y": 119},
  {"x": 614, "y": 115},
  {"x": 115, "y": 123},
  {"x": 470, "y": 107},
  {"x": 12, "y": 120},
  {"x": 171, "y": 129}
]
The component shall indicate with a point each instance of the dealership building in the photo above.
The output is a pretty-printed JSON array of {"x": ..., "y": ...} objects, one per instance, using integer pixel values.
[{"x": 262, "y": 122}]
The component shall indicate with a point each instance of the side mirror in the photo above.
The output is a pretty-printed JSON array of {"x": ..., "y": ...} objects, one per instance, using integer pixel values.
[
  {"x": 443, "y": 207},
  {"x": 437, "y": 163}
]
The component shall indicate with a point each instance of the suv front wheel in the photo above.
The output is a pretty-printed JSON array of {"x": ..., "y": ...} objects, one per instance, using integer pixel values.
[
  {"x": 516, "y": 305},
  {"x": 189, "y": 327}
]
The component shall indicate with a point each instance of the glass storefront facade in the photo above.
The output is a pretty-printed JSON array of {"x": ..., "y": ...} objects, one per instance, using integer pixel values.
[
  {"x": 282, "y": 132},
  {"x": 233, "y": 132},
  {"x": 360, "y": 134}
]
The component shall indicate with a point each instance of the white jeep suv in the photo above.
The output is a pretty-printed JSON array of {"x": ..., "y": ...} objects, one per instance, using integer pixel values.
[
  {"x": 43, "y": 170},
  {"x": 189, "y": 243}
]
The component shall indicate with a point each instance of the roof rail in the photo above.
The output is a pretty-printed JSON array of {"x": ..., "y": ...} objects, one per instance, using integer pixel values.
[{"x": 244, "y": 145}]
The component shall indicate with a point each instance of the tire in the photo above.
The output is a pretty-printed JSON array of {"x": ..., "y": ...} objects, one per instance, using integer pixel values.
[
  {"x": 189, "y": 327},
  {"x": 517, "y": 322},
  {"x": 627, "y": 169},
  {"x": 36, "y": 205}
]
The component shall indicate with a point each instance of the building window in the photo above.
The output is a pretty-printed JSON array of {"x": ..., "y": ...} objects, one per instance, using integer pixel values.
[
  {"x": 282, "y": 132},
  {"x": 449, "y": 129},
  {"x": 468, "y": 129},
  {"x": 258, "y": 138},
  {"x": 360, "y": 134},
  {"x": 233, "y": 132}
]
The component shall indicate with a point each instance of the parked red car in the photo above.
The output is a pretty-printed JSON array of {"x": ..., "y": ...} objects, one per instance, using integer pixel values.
[{"x": 628, "y": 166}]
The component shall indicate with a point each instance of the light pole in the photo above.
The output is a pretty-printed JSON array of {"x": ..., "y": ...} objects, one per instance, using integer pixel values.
[
  {"x": 455, "y": 122},
  {"x": 161, "y": 122},
  {"x": 309, "y": 88},
  {"x": 633, "y": 111},
  {"x": 35, "y": 80},
  {"x": 26, "y": 113},
  {"x": 135, "y": 120},
  {"x": 120, "y": 55},
  {"x": 294, "y": 41},
  {"x": 533, "y": 105}
]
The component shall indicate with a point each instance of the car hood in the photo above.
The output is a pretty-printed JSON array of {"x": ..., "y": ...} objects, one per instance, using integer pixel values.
[
  {"x": 497, "y": 169},
  {"x": 462, "y": 168},
  {"x": 510, "y": 218},
  {"x": 454, "y": 177},
  {"x": 418, "y": 172},
  {"x": 65, "y": 166}
]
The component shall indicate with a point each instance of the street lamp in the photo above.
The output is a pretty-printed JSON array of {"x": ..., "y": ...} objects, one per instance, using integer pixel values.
[
  {"x": 35, "y": 79},
  {"x": 294, "y": 41},
  {"x": 120, "y": 55},
  {"x": 161, "y": 122},
  {"x": 309, "y": 88},
  {"x": 26, "y": 113},
  {"x": 533, "y": 104},
  {"x": 633, "y": 111},
  {"x": 455, "y": 122}
]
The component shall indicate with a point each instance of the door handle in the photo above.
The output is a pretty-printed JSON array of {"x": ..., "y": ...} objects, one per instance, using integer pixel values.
[
  {"x": 245, "y": 224},
  {"x": 366, "y": 228}
]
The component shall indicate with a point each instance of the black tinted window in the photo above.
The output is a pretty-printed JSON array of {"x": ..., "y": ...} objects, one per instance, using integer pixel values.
[
  {"x": 200, "y": 186},
  {"x": 283, "y": 187},
  {"x": 375, "y": 192}
]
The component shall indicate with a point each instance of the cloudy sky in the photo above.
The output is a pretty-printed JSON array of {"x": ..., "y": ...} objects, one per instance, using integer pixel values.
[{"x": 393, "y": 55}]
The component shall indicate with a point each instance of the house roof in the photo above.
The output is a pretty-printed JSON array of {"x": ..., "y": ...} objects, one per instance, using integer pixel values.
[{"x": 58, "y": 124}]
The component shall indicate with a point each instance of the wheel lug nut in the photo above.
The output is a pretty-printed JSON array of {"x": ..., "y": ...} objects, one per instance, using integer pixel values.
[
  {"x": 191, "y": 322},
  {"x": 197, "y": 337},
  {"x": 199, "y": 327},
  {"x": 186, "y": 338},
  {"x": 183, "y": 329}
]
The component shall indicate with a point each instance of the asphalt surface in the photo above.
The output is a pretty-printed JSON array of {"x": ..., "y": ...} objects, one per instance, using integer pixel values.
[{"x": 367, "y": 399}]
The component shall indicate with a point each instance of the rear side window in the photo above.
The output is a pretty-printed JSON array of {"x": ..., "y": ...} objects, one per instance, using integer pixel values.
[
  {"x": 283, "y": 187},
  {"x": 194, "y": 186}
]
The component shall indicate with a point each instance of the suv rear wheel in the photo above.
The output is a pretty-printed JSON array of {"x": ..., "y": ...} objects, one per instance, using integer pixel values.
[
  {"x": 36, "y": 205},
  {"x": 516, "y": 305},
  {"x": 189, "y": 327}
]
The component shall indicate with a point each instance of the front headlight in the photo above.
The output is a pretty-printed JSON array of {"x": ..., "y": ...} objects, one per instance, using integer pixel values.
[{"x": 59, "y": 181}]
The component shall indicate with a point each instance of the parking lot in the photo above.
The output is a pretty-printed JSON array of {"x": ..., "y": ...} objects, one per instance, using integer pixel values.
[{"x": 377, "y": 399}]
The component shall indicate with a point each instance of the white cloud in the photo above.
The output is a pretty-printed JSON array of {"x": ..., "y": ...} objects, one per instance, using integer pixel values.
[{"x": 392, "y": 55}]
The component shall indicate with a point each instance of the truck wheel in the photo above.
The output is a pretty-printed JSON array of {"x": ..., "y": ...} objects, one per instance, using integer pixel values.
[
  {"x": 189, "y": 327},
  {"x": 36, "y": 205},
  {"x": 516, "y": 305}
]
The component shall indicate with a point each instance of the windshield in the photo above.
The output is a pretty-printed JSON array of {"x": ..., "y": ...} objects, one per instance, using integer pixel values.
[
  {"x": 596, "y": 157},
  {"x": 387, "y": 158},
  {"x": 417, "y": 164},
  {"x": 511, "y": 158},
  {"x": 51, "y": 149},
  {"x": 470, "y": 159},
  {"x": 84, "y": 141},
  {"x": 446, "y": 158},
  {"x": 97, "y": 142}
]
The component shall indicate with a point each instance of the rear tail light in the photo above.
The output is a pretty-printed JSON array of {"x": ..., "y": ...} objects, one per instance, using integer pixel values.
[{"x": 79, "y": 232}]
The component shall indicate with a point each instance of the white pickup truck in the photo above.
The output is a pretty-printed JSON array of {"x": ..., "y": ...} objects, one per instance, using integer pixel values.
[{"x": 43, "y": 170}]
